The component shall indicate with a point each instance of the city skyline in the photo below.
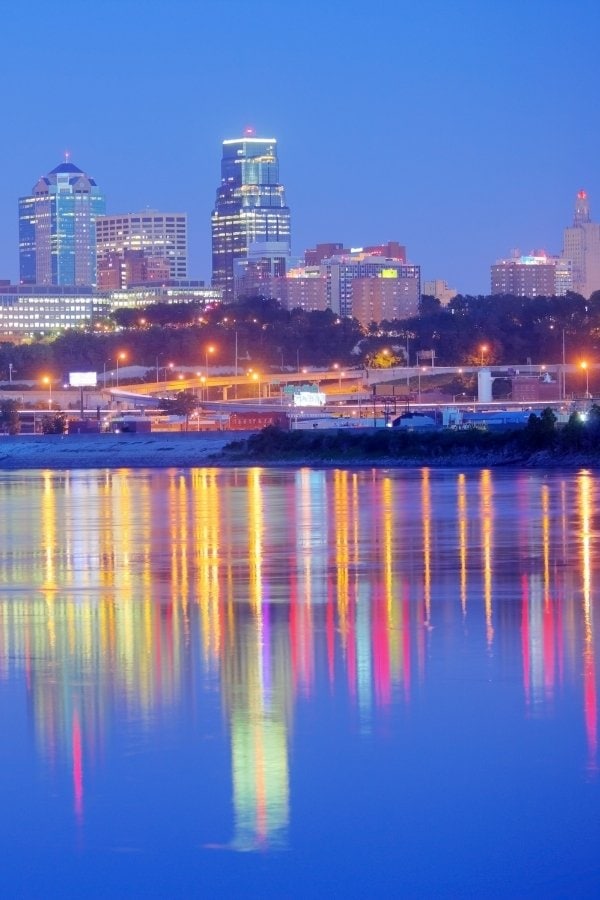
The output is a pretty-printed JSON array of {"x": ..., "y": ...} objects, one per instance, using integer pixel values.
[{"x": 448, "y": 146}]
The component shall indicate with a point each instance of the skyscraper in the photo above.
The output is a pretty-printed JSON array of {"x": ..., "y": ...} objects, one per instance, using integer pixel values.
[
  {"x": 250, "y": 207},
  {"x": 581, "y": 244},
  {"x": 57, "y": 228}
]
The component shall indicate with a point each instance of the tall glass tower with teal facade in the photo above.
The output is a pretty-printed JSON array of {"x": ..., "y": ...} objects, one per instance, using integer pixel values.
[
  {"x": 57, "y": 228},
  {"x": 250, "y": 207}
]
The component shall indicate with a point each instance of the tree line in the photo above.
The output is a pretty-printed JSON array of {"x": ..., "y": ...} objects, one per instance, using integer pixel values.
[{"x": 263, "y": 335}]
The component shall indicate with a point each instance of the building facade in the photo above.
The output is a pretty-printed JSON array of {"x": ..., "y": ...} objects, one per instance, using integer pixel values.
[
  {"x": 389, "y": 295},
  {"x": 440, "y": 290},
  {"x": 31, "y": 311},
  {"x": 57, "y": 229},
  {"x": 250, "y": 206},
  {"x": 343, "y": 271},
  {"x": 581, "y": 245},
  {"x": 160, "y": 238},
  {"x": 536, "y": 275}
]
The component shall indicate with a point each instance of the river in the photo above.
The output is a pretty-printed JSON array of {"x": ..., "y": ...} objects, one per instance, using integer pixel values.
[{"x": 299, "y": 683}]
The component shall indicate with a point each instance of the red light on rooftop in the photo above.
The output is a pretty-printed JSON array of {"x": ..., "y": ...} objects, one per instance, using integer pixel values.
[
  {"x": 582, "y": 195},
  {"x": 249, "y": 131}
]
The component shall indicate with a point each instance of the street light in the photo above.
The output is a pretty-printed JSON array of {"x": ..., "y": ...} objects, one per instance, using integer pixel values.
[
  {"x": 256, "y": 378},
  {"x": 585, "y": 368},
  {"x": 120, "y": 356},
  {"x": 207, "y": 350},
  {"x": 47, "y": 380},
  {"x": 484, "y": 349}
]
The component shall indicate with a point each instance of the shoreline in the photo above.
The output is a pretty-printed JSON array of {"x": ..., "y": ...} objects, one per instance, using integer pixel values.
[{"x": 162, "y": 450}]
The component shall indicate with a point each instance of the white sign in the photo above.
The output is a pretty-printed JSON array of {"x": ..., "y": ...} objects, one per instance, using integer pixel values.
[
  {"x": 83, "y": 379},
  {"x": 309, "y": 398}
]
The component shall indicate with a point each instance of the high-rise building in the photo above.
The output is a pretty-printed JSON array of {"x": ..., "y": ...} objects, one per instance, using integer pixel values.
[
  {"x": 342, "y": 272},
  {"x": 389, "y": 295},
  {"x": 57, "y": 228},
  {"x": 254, "y": 274},
  {"x": 250, "y": 206},
  {"x": 581, "y": 245},
  {"x": 536, "y": 275},
  {"x": 161, "y": 237},
  {"x": 367, "y": 285}
]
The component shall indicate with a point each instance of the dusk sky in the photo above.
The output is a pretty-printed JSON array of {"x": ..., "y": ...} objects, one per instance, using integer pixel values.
[{"x": 461, "y": 129}]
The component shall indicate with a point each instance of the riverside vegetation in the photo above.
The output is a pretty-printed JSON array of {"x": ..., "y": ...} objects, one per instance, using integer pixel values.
[{"x": 541, "y": 442}]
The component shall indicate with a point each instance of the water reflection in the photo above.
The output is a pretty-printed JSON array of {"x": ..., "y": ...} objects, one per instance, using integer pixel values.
[{"x": 125, "y": 594}]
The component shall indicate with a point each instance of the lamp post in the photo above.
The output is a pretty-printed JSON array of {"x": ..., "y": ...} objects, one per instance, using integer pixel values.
[
  {"x": 336, "y": 366},
  {"x": 47, "y": 380},
  {"x": 483, "y": 349},
  {"x": 585, "y": 368},
  {"x": 256, "y": 378},
  {"x": 207, "y": 350},
  {"x": 120, "y": 356}
]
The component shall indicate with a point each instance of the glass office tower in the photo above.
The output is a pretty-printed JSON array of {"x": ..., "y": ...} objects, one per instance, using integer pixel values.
[
  {"x": 57, "y": 228},
  {"x": 250, "y": 206}
]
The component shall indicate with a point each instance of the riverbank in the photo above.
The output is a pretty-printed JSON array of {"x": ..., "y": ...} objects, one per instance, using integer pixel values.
[
  {"x": 98, "y": 451},
  {"x": 341, "y": 448}
]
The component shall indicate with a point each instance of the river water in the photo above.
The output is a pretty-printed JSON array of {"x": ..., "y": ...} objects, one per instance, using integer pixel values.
[{"x": 299, "y": 683}]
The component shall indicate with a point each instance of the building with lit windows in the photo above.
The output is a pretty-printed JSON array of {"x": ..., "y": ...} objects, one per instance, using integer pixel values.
[
  {"x": 303, "y": 287},
  {"x": 158, "y": 239},
  {"x": 342, "y": 272},
  {"x": 389, "y": 295},
  {"x": 254, "y": 275},
  {"x": 250, "y": 206},
  {"x": 57, "y": 228},
  {"x": 367, "y": 285},
  {"x": 31, "y": 311},
  {"x": 581, "y": 245},
  {"x": 536, "y": 275}
]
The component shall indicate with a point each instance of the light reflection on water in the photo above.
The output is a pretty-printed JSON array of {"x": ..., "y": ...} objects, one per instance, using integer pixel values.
[{"x": 136, "y": 605}]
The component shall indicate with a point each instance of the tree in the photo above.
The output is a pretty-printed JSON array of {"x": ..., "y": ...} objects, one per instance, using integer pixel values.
[
  {"x": 56, "y": 424},
  {"x": 9, "y": 417}
]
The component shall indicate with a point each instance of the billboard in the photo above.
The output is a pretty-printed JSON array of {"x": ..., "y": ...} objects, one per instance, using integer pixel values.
[
  {"x": 309, "y": 398},
  {"x": 83, "y": 379}
]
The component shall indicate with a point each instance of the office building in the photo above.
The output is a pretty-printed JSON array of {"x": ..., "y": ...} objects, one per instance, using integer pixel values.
[
  {"x": 141, "y": 295},
  {"x": 33, "y": 311},
  {"x": 254, "y": 274},
  {"x": 581, "y": 245},
  {"x": 388, "y": 295},
  {"x": 536, "y": 275},
  {"x": 331, "y": 283},
  {"x": 250, "y": 206},
  {"x": 303, "y": 287},
  {"x": 160, "y": 237},
  {"x": 57, "y": 228},
  {"x": 120, "y": 270},
  {"x": 440, "y": 290},
  {"x": 342, "y": 272}
]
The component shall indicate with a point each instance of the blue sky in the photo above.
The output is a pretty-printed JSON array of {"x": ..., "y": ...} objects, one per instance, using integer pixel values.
[{"x": 461, "y": 129}]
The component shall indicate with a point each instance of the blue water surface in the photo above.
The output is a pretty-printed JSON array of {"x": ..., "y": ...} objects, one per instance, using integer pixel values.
[{"x": 299, "y": 683}]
